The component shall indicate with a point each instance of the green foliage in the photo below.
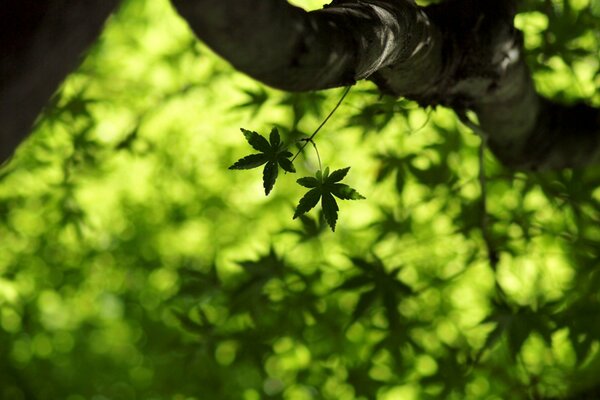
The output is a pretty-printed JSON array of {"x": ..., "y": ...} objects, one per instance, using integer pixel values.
[
  {"x": 324, "y": 187},
  {"x": 380, "y": 284},
  {"x": 134, "y": 265}
]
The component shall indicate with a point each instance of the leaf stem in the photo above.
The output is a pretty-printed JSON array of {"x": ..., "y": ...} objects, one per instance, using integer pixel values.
[
  {"x": 318, "y": 156},
  {"x": 310, "y": 139}
]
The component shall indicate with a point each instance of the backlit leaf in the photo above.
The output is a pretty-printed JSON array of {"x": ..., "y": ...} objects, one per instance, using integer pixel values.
[
  {"x": 271, "y": 153},
  {"x": 324, "y": 186}
]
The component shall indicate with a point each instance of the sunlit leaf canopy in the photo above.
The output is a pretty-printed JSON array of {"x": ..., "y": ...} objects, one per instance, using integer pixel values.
[{"x": 135, "y": 265}]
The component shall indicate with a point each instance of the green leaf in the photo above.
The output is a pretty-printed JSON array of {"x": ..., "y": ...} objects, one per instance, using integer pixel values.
[
  {"x": 321, "y": 175},
  {"x": 269, "y": 176},
  {"x": 310, "y": 199},
  {"x": 256, "y": 141},
  {"x": 274, "y": 138},
  {"x": 516, "y": 335},
  {"x": 249, "y": 162},
  {"x": 286, "y": 165},
  {"x": 308, "y": 182},
  {"x": 311, "y": 227},
  {"x": 345, "y": 192},
  {"x": 271, "y": 153},
  {"x": 256, "y": 99},
  {"x": 365, "y": 265},
  {"x": 365, "y": 302},
  {"x": 330, "y": 209},
  {"x": 338, "y": 175},
  {"x": 324, "y": 186}
]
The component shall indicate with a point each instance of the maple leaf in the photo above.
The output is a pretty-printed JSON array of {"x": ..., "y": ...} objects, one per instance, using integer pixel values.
[
  {"x": 325, "y": 186},
  {"x": 272, "y": 153}
]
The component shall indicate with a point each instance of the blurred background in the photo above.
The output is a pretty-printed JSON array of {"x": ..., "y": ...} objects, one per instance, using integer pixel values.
[{"x": 135, "y": 265}]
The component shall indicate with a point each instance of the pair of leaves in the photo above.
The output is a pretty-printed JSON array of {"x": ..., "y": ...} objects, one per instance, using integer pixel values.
[
  {"x": 272, "y": 153},
  {"x": 324, "y": 187}
]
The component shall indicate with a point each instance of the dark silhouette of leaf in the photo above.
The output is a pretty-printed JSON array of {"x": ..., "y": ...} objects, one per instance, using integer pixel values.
[
  {"x": 376, "y": 116},
  {"x": 345, "y": 192},
  {"x": 199, "y": 282},
  {"x": 436, "y": 174},
  {"x": 324, "y": 186},
  {"x": 271, "y": 153},
  {"x": 517, "y": 325},
  {"x": 256, "y": 141},
  {"x": 385, "y": 287},
  {"x": 450, "y": 373},
  {"x": 285, "y": 163},
  {"x": 256, "y": 99},
  {"x": 338, "y": 175},
  {"x": 364, "y": 385},
  {"x": 303, "y": 104},
  {"x": 365, "y": 301},
  {"x": 250, "y": 292},
  {"x": 583, "y": 328},
  {"x": 311, "y": 227},
  {"x": 269, "y": 176},
  {"x": 307, "y": 202},
  {"x": 249, "y": 162},
  {"x": 308, "y": 182},
  {"x": 391, "y": 223},
  {"x": 274, "y": 138},
  {"x": 390, "y": 163},
  {"x": 330, "y": 209}
]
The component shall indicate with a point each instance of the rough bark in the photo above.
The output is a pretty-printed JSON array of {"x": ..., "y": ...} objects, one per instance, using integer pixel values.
[
  {"x": 40, "y": 43},
  {"x": 463, "y": 54},
  {"x": 490, "y": 77}
]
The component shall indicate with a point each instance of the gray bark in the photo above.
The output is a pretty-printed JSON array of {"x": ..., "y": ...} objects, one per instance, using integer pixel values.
[{"x": 463, "y": 54}]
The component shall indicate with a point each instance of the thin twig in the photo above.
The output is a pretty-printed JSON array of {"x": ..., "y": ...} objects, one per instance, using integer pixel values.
[
  {"x": 318, "y": 156},
  {"x": 323, "y": 123}
]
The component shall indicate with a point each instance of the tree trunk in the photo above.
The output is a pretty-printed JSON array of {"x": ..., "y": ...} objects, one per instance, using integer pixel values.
[
  {"x": 463, "y": 54},
  {"x": 40, "y": 43}
]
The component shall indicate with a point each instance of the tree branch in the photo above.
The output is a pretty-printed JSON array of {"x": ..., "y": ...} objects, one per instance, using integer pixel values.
[
  {"x": 491, "y": 78},
  {"x": 40, "y": 44},
  {"x": 463, "y": 54},
  {"x": 291, "y": 49}
]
